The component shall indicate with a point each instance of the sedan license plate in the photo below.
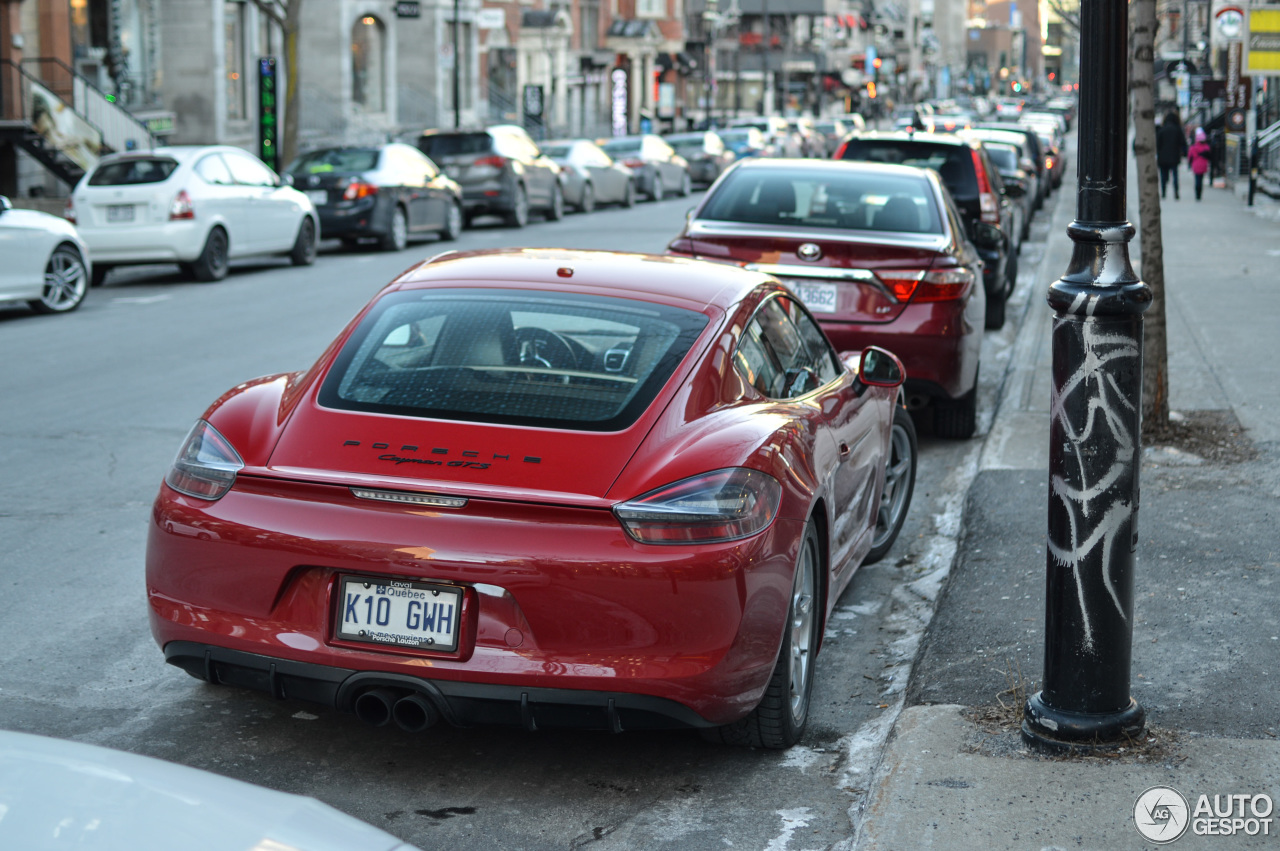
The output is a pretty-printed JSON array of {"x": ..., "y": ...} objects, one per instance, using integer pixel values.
[
  {"x": 416, "y": 615},
  {"x": 318, "y": 196},
  {"x": 818, "y": 297},
  {"x": 119, "y": 213}
]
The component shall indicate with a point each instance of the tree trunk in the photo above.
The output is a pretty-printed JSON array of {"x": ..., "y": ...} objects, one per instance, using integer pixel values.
[{"x": 1155, "y": 354}]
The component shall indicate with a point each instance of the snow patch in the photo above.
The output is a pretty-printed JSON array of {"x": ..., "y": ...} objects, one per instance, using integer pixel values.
[{"x": 792, "y": 820}]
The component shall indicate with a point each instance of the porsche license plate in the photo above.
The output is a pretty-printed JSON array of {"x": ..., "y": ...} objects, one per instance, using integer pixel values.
[
  {"x": 818, "y": 297},
  {"x": 119, "y": 213},
  {"x": 416, "y": 615}
]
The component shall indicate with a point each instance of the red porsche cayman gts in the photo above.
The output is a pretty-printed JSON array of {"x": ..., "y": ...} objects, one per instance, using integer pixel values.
[{"x": 539, "y": 488}]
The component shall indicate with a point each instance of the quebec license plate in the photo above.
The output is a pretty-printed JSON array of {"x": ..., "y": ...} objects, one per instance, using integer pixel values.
[
  {"x": 818, "y": 297},
  {"x": 119, "y": 213},
  {"x": 394, "y": 613},
  {"x": 318, "y": 197}
]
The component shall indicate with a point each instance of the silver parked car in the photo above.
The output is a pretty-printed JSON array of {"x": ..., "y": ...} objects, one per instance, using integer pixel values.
[
  {"x": 658, "y": 168},
  {"x": 591, "y": 176},
  {"x": 705, "y": 152},
  {"x": 43, "y": 261}
]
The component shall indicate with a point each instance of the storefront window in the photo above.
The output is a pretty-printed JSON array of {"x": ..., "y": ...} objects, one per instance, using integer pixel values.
[
  {"x": 367, "y": 54},
  {"x": 234, "y": 21}
]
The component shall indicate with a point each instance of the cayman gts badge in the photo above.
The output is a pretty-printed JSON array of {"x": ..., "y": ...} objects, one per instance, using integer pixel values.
[
  {"x": 470, "y": 459},
  {"x": 809, "y": 251}
]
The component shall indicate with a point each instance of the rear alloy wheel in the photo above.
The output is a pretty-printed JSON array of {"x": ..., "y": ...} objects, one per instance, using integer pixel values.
[
  {"x": 686, "y": 185},
  {"x": 304, "y": 247},
  {"x": 518, "y": 215},
  {"x": 957, "y": 418},
  {"x": 556, "y": 211},
  {"x": 211, "y": 265},
  {"x": 65, "y": 282},
  {"x": 397, "y": 238},
  {"x": 779, "y": 720},
  {"x": 452, "y": 222},
  {"x": 587, "y": 203},
  {"x": 899, "y": 483},
  {"x": 658, "y": 191}
]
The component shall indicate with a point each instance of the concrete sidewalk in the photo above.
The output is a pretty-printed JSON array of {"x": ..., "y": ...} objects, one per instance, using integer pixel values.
[{"x": 1206, "y": 657}]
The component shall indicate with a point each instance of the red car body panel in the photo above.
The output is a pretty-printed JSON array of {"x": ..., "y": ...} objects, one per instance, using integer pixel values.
[
  {"x": 938, "y": 342},
  {"x": 557, "y": 594}
]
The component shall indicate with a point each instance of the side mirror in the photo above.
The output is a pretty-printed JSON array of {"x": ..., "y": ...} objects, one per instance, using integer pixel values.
[
  {"x": 1014, "y": 190},
  {"x": 880, "y": 368},
  {"x": 5, "y": 203},
  {"x": 987, "y": 236},
  {"x": 286, "y": 179}
]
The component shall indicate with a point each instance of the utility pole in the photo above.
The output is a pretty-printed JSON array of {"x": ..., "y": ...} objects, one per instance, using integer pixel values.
[
  {"x": 457, "y": 67},
  {"x": 1095, "y": 439}
]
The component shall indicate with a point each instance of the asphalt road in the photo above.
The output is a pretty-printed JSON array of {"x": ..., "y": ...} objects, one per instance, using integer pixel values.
[{"x": 94, "y": 405}]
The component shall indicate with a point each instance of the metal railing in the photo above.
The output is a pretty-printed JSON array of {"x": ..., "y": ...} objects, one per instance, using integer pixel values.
[
  {"x": 47, "y": 124},
  {"x": 120, "y": 130}
]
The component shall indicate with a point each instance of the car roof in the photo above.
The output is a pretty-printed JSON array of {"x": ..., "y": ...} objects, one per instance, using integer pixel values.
[
  {"x": 181, "y": 153},
  {"x": 906, "y": 136},
  {"x": 816, "y": 165},
  {"x": 646, "y": 277}
]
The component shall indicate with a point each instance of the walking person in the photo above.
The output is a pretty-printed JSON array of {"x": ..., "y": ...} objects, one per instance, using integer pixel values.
[
  {"x": 1199, "y": 157},
  {"x": 1171, "y": 147}
]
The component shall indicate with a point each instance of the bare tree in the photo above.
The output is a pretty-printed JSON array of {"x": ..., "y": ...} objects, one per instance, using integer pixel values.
[
  {"x": 286, "y": 14},
  {"x": 1068, "y": 12},
  {"x": 1155, "y": 353}
]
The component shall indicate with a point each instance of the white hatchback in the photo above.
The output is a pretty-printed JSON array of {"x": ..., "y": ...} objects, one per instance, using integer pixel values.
[
  {"x": 198, "y": 206},
  {"x": 42, "y": 261}
]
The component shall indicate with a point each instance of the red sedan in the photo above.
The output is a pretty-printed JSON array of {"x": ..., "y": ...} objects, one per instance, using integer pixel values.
[
  {"x": 539, "y": 488},
  {"x": 879, "y": 253}
]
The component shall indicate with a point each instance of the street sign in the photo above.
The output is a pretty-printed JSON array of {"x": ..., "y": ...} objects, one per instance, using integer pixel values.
[
  {"x": 533, "y": 102},
  {"x": 491, "y": 19},
  {"x": 408, "y": 9},
  {"x": 1263, "y": 55}
]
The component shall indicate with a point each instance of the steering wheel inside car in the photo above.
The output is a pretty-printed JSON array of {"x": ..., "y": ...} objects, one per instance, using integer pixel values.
[{"x": 539, "y": 347}]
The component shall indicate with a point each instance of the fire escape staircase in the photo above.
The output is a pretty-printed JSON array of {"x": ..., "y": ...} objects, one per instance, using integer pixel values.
[{"x": 62, "y": 120}]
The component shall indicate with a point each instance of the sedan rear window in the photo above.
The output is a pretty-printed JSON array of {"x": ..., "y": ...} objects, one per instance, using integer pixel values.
[
  {"x": 622, "y": 146},
  {"x": 336, "y": 159},
  {"x": 543, "y": 359},
  {"x": 825, "y": 198},
  {"x": 444, "y": 145},
  {"x": 133, "y": 171},
  {"x": 954, "y": 163}
]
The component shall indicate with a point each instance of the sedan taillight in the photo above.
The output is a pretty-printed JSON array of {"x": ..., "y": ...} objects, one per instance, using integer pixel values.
[
  {"x": 206, "y": 465},
  {"x": 181, "y": 208},
  {"x": 919, "y": 285},
  {"x": 988, "y": 207},
  {"x": 633, "y": 163},
  {"x": 358, "y": 189},
  {"x": 493, "y": 161},
  {"x": 69, "y": 211},
  {"x": 723, "y": 505}
]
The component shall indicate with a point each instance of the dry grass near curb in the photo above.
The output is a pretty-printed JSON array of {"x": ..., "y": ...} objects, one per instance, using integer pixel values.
[{"x": 1215, "y": 436}]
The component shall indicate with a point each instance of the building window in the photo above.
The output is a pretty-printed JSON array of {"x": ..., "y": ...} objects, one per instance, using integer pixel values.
[
  {"x": 590, "y": 25},
  {"x": 233, "y": 19},
  {"x": 651, "y": 8},
  {"x": 368, "y": 47}
]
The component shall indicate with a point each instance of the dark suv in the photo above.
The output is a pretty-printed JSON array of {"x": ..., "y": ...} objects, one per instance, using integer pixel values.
[
  {"x": 501, "y": 171},
  {"x": 973, "y": 182}
]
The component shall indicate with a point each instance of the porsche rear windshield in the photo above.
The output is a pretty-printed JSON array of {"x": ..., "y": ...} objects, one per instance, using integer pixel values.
[
  {"x": 547, "y": 359},
  {"x": 826, "y": 198}
]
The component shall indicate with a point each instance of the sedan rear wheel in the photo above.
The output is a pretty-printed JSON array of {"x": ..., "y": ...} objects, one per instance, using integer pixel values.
[
  {"x": 658, "y": 190},
  {"x": 304, "y": 247},
  {"x": 452, "y": 222},
  {"x": 65, "y": 282},
  {"x": 588, "y": 201},
  {"x": 686, "y": 185},
  {"x": 518, "y": 215},
  {"x": 779, "y": 720},
  {"x": 397, "y": 238},
  {"x": 212, "y": 263},
  {"x": 957, "y": 418},
  {"x": 556, "y": 211},
  {"x": 899, "y": 483},
  {"x": 629, "y": 197}
]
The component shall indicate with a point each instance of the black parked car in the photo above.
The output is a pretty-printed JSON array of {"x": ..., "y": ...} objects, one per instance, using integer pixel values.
[
  {"x": 973, "y": 182},
  {"x": 501, "y": 171},
  {"x": 387, "y": 193},
  {"x": 1035, "y": 146}
]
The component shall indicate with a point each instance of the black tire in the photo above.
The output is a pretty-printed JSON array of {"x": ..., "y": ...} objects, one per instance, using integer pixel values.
[
  {"x": 658, "y": 192},
  {"x": 212, "y": 263},
  {"x": 957, "y": 419},
  {"x": 899, "y": 485},
  {"x": 100, "y": 274},
  {"x": 995, "y": 312},
  {"x": 556, "y": 211},
  {"x": 66, "y": 280},
  {"x": 397, "y": 236},
  {"x": 779, "y": 720},
  {"x": 686, "y": 185},
  {"x": 629, "y": 197},
  {"x": 303, "y": 252},
  {"x": 453, "y": 222},
  {"x": 587, "y": 203},
  {"x": 518, "y": 215}
]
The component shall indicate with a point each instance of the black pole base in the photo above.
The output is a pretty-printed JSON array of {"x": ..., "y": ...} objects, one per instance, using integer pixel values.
[{"x": 1054, "y": 731}]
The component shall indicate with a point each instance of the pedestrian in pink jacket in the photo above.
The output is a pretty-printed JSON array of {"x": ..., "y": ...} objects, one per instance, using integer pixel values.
[{"x": 1198, "y": 154}]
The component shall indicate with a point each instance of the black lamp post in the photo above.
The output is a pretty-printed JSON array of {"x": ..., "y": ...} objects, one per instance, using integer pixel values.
[
  {"x": 457, "y": 68},
  {"x": 1095, "y": 424}
]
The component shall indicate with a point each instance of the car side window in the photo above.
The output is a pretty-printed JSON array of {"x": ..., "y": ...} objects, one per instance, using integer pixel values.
[
  {"x": 756, "y": 363},
  {"x": 782, "y": 352},
  {"x": 823, "y": 359},
  {"x": 248, "y": 171},
  {"x": 213, "y": 170}
]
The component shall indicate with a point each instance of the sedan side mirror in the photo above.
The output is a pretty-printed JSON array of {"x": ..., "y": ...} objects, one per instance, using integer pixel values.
[
  {"x": 880, "y": 368},
  {"x": 987, "y": 236},
  {"x": 1014, "y": 190},
  {"x": 286, "y": 179}
]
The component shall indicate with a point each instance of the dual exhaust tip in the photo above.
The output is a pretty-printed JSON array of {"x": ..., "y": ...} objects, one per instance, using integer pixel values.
[{"x": 411, "y": 711}]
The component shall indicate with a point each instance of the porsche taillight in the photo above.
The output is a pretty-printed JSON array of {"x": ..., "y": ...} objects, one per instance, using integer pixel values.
[
  {"x": 920, "y": 285},
  {"x": 723, "y": 505},
  {"x": 206, "y": 465}
]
